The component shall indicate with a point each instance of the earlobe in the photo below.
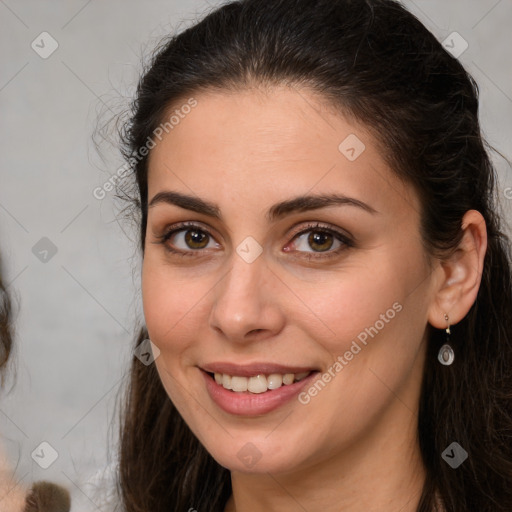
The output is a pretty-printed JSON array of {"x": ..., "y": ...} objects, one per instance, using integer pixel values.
[{"x": 462, "y": 273}]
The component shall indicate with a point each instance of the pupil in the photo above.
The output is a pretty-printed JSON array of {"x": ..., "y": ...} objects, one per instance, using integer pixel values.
[
  {"x": 194, "y": 237},
  {"x": 319, "y": 238}
]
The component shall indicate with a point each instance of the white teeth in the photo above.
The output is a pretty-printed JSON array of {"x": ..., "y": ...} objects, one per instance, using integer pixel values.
[
  {"x": 258, "y": 383},
  {"x": 239, "y": 383},
  {"x": 288, "y": 378},
  {"x": 274, "y": 381},
  {"x": 226, "y": 381}
]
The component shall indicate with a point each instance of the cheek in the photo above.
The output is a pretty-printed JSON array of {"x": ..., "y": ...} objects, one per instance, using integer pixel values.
[
  {"x": 343, "y": 307},
  {"x": 162, "y": 307},
  {"x": 378, "y": 317},
  {"x": 372, "y": 315},
  {"x": 172, "y": 303}
]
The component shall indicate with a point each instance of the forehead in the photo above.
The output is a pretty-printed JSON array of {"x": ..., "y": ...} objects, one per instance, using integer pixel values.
[
  {"x": 271, "y": 142},
  {"x": 275, "y": 123}
]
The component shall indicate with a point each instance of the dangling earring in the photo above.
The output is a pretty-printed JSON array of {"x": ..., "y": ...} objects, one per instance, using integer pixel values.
[{"x": 446, "y": 354}]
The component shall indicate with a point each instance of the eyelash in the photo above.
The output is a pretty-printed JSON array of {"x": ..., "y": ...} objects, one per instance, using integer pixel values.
[{"x": 316, "y": 227}]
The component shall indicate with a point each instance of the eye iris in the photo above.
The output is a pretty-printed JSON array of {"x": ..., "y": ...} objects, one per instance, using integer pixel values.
[
  {"x": 194, "y": 236},
  {"x": 319, "y": 237}
]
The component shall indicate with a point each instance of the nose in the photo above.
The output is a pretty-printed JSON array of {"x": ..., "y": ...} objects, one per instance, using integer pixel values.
[{"x": 246, "y": 302}]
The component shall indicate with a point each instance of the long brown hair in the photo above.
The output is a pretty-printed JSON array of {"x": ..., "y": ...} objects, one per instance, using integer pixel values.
[{"x": 374, "y": 60}]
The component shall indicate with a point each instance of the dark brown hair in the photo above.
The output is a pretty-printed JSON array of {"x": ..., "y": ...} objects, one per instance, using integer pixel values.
[
  {"x": 376, "y": 62},
  {"x": 6, "y": 334}
]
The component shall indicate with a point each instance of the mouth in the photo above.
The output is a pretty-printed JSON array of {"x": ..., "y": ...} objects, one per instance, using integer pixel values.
[{"x": 260, "y": 389}]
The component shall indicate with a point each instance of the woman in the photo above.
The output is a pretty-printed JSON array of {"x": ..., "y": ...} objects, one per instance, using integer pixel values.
[
  {"x": 14, "y": 497},
  {"x": 325, "y": 283}
]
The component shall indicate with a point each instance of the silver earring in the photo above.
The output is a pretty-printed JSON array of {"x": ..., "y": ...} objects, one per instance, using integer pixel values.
[{"x": 446, "y": 354}]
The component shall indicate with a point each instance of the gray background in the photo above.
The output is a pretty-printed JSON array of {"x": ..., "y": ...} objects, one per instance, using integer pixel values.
[{"x": 78, "y": 309}]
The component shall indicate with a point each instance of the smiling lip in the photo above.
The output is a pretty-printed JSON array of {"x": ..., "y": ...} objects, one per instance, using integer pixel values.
[{"x": 253, "y": 404}]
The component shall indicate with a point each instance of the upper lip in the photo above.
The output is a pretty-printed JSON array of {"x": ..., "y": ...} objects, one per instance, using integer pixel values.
[{"x": 250, "y": 370}]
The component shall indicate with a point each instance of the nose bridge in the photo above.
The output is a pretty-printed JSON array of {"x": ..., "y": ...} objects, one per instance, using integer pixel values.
[{"x": 243, "y": 300}]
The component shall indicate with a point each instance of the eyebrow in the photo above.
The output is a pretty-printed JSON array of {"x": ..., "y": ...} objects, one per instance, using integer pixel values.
[{"x": 276, "y": 212}]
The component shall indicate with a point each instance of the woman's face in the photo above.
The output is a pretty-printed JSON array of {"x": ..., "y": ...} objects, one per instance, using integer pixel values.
[{"x": 263, "y": 285}]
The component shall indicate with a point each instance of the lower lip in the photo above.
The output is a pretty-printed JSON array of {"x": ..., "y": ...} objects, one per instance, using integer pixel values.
[{"x": 252, "y": 404}]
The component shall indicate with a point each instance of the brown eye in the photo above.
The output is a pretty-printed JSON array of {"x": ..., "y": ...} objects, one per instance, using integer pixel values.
[
  {"x": 322, "y": 240},
  {"x": 187, "y": 240},
  {"x": 195, "y": 238},
  {"x": 317, "y": 239}
]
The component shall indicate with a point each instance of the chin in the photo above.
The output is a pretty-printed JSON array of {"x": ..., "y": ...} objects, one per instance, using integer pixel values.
[{"x": 251, "y": 457}]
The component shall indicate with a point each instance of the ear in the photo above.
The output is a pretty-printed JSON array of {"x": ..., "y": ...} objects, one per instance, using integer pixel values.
[{"x": 461, "y": 274}]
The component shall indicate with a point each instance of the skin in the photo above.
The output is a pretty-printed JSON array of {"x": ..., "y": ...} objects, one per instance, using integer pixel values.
[
  {"x": 12, "y": 492},
  {"x": 354, "y": 446}
]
